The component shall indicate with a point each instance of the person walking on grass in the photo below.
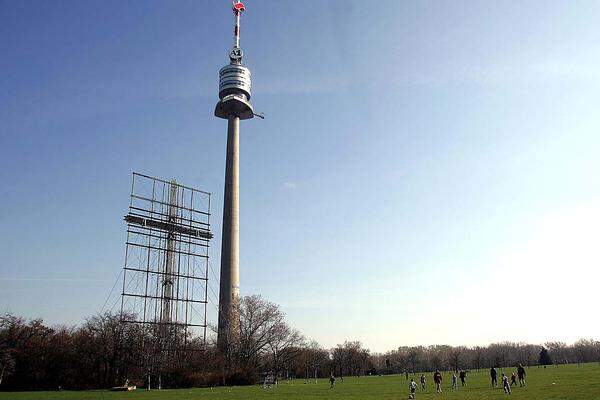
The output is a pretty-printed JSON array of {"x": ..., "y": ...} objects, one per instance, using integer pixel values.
[
  {"x": 513, "y": 379},
  {"x": 412, "y": 387},
  {"x": 494, "y": 376},
  {"x": 454, "y": 381},
  {"x": 521, "y": 374},
  {"x": 437, "y": 378},
  {"x": 423, "y": 381},
  {"x": 505, "y": 384},
  {"x": 463, "y": 376},
  {"x": 331, "y": 382}
]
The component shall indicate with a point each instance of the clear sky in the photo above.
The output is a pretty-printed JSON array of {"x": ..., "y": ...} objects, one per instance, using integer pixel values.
[{"x": 428, "y": 171}]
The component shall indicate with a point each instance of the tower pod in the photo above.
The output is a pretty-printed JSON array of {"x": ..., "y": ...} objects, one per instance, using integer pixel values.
[{"x": 234, "y": 79}]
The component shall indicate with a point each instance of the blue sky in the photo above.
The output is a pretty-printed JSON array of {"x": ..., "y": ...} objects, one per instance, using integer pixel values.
[{"x": 423, "y": 167}]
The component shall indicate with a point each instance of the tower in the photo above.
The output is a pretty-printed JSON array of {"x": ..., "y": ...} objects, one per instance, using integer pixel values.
[{"x": 234, "y": 105}]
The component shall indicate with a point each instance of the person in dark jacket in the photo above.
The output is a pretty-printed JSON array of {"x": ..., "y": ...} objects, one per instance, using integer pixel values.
[
  {"x": 513, "y": 379},
  {"x": 494, "y": 376},
  {"x": 423, "y": 381},
  {"x": 521, "y": 374},
  {"x": 463, "y": 376},
  {"x": 437, "y": 378}
]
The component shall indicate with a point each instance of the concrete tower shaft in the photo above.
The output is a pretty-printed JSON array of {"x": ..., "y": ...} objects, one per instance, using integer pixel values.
[{"x": 229, "y": 290}]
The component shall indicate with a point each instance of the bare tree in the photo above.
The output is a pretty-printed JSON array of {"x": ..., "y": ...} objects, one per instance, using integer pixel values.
[
  {"x": 351, "y": 358},
  {"x": 400, "y": 359},
  {"x": 284, "y": 347},
  {"x": 477, "y": 354},
  {"x": 260, "y": 323},
  {"x": 558, "y": 352},
  {"x": 7, "y": 363},
  {"x": 414, "y": 357},
  {"x": 314, "y": 359},
  {"x": 438, "y": 356},
  {"x": 456, "y": 355},
  {"x": 585, "y": 350},
  {"x": 261, "y": 337}
]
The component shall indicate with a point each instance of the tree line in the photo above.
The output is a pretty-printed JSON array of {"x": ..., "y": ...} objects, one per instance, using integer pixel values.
[{"x": 102, "y": 352}]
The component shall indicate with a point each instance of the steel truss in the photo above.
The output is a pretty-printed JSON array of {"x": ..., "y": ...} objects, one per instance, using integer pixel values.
[{"x": 165, "y": 276}]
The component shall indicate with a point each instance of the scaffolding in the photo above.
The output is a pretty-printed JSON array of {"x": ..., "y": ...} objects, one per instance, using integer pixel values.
[{"x": 165, "y": 276}]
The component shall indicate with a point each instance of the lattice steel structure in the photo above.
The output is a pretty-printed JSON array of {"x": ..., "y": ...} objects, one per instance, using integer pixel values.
[{"x": 165, "y": 276}]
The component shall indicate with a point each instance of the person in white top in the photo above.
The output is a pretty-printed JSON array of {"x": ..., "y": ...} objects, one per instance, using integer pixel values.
[
  {"x": 412, "y": 386},
  {"x": 505, "y": 384}
]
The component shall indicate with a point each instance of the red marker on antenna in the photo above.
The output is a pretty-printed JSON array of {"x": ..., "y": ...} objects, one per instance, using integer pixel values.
[{"x": 238, "y": 7}]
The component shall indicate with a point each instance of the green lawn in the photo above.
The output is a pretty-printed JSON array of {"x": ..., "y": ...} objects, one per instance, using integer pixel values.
[{"x": 552, "y": 383}]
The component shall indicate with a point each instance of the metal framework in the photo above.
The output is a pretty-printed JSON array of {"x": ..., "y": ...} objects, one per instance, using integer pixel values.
[{"x": 165, "y": 276}]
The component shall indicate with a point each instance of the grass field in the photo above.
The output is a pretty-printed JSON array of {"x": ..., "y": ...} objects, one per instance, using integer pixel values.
[{"x": 552, "y": 383}]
